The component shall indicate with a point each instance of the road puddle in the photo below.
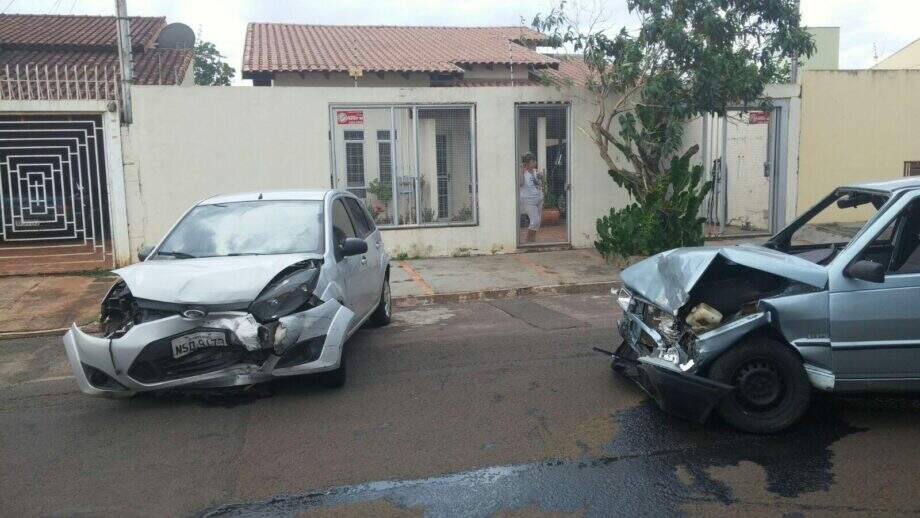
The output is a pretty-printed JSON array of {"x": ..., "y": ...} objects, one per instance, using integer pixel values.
[{"x": 653, "y": 465}]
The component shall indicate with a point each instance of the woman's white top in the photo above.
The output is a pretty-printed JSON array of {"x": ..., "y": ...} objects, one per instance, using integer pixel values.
[{"x": 531, "y": 191}]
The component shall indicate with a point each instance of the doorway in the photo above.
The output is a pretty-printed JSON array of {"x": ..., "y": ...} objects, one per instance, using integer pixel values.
[
  {"x": 747, "y": 166},
  {"x": 542, "y": 131}
]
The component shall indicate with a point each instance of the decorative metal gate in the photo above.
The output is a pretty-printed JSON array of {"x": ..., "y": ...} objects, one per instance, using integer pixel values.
[{"x": 54, "y": 213}]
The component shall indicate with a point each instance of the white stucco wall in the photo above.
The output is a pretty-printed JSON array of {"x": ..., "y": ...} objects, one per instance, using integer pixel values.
[{"x": 190, "y": 143}]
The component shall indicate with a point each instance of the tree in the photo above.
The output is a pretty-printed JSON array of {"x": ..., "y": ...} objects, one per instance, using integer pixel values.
[
  {"x": 210, "y": 69},
  {"x": 688, "y": 57}
]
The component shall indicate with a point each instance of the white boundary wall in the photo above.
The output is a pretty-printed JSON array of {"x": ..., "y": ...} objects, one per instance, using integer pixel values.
[{"x": 191, "y": 143}]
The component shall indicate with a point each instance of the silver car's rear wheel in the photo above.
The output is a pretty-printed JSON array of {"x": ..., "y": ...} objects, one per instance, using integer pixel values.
[{"x": 384, "y": 311}]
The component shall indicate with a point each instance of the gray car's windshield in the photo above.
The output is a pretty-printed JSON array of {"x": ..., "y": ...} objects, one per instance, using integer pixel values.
[{"x": 246, "y": 228}]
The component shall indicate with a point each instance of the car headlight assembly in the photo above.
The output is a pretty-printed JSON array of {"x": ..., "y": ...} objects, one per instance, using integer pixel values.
[
  {"x": 625, "y": 299},
  {"x": 287, "y": 295}
]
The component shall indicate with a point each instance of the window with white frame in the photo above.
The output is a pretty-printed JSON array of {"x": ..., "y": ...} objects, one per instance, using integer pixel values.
[
  {"x": 354, "y": 163},
  {"x": 422, "y": 171}
]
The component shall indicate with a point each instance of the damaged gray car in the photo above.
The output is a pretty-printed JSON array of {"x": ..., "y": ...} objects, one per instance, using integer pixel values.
[
  {"x": 830, "y": 303},
  {"x": 243, "y": 289}
]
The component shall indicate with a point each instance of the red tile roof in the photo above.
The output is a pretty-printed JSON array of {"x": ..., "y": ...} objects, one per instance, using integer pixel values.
[
  {"x": 151, "y": 67},
  {"x": 87, "y": 41},
  {"x": 29, "y": 30},
  {"x": 572, "y": 71},
  {"x": 275, "y": 47}
]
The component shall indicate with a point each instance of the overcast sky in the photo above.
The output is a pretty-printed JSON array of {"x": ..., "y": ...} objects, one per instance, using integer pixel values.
[{"x": 886, "y": 24}]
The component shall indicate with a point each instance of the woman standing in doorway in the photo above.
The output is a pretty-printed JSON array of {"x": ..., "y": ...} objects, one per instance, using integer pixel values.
[{"x": 531, "y": 182}]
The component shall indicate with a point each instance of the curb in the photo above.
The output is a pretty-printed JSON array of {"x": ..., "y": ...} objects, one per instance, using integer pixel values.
[
  {"x": 505, "y": 293},
  {"x": 416, "y": 300}
]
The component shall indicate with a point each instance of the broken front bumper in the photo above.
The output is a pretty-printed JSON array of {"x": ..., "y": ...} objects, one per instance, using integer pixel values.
[
  {"x": 676, "y": 391},
  {"x": 111, "y": 367}
]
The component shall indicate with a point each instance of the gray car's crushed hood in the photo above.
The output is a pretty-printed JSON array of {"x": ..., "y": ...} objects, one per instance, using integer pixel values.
[
  {"x": 667, "y": 278},
  {"x": 206, "y": 280}
]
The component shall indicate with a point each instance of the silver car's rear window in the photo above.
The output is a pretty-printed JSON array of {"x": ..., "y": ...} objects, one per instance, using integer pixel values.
[{"x": 247, "y": 228}]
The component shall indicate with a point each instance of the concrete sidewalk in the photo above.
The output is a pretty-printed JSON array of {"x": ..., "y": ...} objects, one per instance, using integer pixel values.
[
  {"x": 34, "y": 305},
  {"x": 38, "y": 305},
  {"x": 492, "y": 276}
]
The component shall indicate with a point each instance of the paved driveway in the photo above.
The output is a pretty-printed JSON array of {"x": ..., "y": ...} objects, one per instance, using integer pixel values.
[{"x": 467, "y": 409}]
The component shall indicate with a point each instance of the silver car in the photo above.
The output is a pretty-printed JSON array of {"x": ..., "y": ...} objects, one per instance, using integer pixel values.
[
  {"x": 830, "y": 303},
  {"x": 243, "y": 289}
]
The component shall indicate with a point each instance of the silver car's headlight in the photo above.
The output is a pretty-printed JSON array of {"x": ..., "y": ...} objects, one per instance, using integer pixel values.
[
  {"x": 625, "y": 299},
  {"x": 289, "y": 294}
]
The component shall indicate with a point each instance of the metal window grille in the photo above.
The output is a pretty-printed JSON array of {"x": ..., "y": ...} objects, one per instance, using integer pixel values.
[
  {"x": 385, "y": 162},
  {"x": 34, "y": 82},
  {"x": 422, "y": 170},
  {"x": 912, "y": 168},
  {"x": 443, "y": 178},
  {"x": 354, "y": 166}
]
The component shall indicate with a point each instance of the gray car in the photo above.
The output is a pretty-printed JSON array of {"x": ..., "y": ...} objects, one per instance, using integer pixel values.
[
  {"x": 243, "y": 289},
  {"x": 830, "y": 303}
]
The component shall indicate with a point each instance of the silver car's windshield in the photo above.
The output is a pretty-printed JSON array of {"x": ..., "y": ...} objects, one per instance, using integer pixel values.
[{"x": 246, "y": 228}]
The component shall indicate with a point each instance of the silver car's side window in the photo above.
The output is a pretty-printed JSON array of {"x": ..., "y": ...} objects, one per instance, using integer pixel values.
[
  {"x": 341, "y": 223},
  {"x": 362, "y": 226},
  {"x": 897, "y": 246}
]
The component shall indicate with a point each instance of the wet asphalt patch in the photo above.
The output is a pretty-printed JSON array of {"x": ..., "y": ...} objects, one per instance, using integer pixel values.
[{"x": 639, "y": 473}]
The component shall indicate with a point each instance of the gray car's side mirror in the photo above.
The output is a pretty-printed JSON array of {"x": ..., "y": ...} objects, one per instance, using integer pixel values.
[
  {"x": 144, "y": 253},
  {"x": 354, "y": 246},
  {"x": 869, "y": 271}
]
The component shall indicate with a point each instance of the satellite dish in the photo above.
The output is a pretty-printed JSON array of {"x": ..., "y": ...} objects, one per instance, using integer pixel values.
[{"x": 176, "y": 36}]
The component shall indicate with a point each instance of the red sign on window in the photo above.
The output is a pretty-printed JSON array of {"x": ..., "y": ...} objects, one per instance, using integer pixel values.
[
  {"x": 349, "y": 117},
  {"x": 758, "y": 117}
]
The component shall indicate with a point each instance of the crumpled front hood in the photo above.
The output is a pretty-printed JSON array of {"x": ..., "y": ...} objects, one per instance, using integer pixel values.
[
  {"x": 667, "y": 278},
  {"x": 207, "y": 280}
]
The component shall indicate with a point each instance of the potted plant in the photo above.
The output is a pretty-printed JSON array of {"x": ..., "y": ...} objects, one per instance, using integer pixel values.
[
  {"x": 382, "y": 193},
  {"x": 550, "y": 213}
]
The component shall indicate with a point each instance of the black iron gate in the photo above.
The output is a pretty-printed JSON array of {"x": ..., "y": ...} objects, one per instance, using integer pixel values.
[{"x": 54, "y": 213}]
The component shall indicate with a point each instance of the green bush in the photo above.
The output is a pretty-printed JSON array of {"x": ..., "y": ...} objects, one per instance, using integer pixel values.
[{"x": 668, "y": 218}]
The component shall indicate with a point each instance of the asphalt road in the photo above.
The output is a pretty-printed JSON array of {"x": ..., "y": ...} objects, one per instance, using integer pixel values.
[{"x": 472, "y": 409}]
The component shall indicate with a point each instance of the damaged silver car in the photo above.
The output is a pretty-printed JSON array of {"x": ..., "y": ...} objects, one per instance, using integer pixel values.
[
  {"x": 243, "y": 289},
  {"x": 830, "y": 303}
]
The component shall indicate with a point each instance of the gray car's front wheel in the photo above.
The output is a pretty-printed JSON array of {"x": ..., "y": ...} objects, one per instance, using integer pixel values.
[
  {"x": 384, "y": 312},
  {"x": 771, "y": 388}
]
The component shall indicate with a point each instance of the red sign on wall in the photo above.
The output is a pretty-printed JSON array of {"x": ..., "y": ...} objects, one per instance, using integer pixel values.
[
  {"x": 349, "y": 117},
  {"x": 758, "y": 117}
]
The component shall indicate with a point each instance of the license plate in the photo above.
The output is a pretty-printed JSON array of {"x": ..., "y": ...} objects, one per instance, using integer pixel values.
[{"x": 187, "y": 344}]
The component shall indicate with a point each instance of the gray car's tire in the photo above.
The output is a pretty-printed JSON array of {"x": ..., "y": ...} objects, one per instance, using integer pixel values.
[
  {"x": 384, "y": 312},
  {"x": 334, "y": 379},
  {"x": 772, "y": 390}
]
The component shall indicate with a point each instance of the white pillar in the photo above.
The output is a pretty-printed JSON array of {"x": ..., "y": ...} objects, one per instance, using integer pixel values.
[{"x": 541, "y": 143}]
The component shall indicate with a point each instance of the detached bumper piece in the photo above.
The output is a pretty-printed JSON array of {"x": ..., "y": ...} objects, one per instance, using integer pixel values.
[
  {"x": 687, "y": 396},
  {"x": 681, "y": 394}
]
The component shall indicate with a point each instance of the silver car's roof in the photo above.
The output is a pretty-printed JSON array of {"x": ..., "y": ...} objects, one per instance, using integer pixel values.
[
  {"x": 887, "y": 186},
  {"x": 293, "y": 194}
]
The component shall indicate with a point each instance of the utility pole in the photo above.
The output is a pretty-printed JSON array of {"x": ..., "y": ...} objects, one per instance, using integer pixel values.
[{"x": 125, "y": 59}]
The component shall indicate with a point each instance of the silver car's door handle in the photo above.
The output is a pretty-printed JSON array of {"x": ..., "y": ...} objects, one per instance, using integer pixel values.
[
  {"x": 363, "y": 260},
  {"x": 377, "y": 244}
]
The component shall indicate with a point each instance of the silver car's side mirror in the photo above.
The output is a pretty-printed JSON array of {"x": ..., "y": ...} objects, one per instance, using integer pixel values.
[
  {"x": 354, "y": 246},
  {"x": 869, "y": 271},
  {"x": 144, "y": 253}
]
